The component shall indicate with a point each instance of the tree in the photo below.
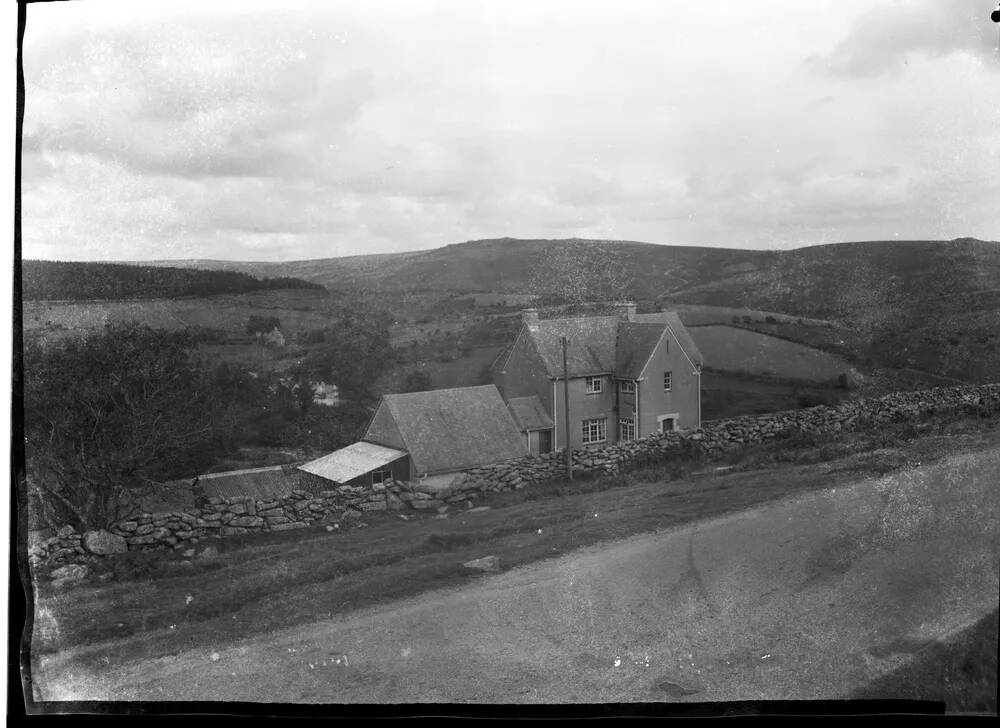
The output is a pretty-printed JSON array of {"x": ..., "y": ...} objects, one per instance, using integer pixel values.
[
  {"x": 262, "y": 324},
  {"x": 416, "y": 381},
  {"x": 111, "y": 412},
  {"x": 581, "y": 271},
  {"x": 354, "y": 353}
]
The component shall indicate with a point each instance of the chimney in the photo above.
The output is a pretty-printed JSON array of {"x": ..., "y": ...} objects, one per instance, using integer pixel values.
[
  {"x": 626, "y": 311},
  {"x": 529, "y": 317}
]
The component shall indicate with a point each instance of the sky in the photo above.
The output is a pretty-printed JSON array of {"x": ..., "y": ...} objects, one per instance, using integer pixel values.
[{"x": 271, "y": 131}]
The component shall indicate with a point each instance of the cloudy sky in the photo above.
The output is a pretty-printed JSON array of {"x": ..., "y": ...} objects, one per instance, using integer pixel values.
[{"x": 258, "y": 130}]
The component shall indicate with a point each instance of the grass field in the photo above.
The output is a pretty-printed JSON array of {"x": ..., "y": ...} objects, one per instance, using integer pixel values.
[
  {"x": 728, "y": 348},
  {"x": 697, "y": 315},
  {"x": 729, "y": 395},
  {"x": 298, "y": 310},
  {"x": 151, "y": 604},
  {"x": 505, "y": 299},
  {"x": 463, "y": 371}
]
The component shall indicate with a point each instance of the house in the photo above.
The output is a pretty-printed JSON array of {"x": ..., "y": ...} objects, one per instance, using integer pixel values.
[
  {"x": 272, "y": 338},
  {"x": 419, "y": 434},
  {"x": 326, "y": 394},
  {"x": 629, "y": 375}
]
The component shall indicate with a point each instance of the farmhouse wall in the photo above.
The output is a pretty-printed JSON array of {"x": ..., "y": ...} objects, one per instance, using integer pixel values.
[
  {"x": 685, "y": 388},
  {"x": 309, "y": 504}
]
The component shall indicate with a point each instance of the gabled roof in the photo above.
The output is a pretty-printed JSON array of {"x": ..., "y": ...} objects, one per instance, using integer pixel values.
[
  {"x": 450, "y": 429},
  {"x": 591, "y": 344},
  {"x": 636, "y": 342},
  {"x": 529, "y": 413},
  {"x": 351, "y": 461},
  {"x": 606, "y": 344},
  {"x": 260, "y": 483},
  {"x": 680, "y": 332}
]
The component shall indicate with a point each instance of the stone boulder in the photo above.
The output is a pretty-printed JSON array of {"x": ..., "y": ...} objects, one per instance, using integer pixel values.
[
  {"x": 209, "y": 552},
  {"x": 487, "y": 563},
  {"x": 103, "y": 543},
  {"x": 69, "y": 573}
]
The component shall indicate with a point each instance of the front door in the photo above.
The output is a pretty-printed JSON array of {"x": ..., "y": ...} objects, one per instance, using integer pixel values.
[{"x": 544, "y": 441}]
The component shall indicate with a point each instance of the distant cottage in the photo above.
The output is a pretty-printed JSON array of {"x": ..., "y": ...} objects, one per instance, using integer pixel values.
[
  {"x": 326, "y": 394},
  {"x": 629, "y": 376}
]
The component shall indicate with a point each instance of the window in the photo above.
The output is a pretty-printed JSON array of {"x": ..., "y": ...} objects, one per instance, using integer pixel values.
[
  {"x": 626, "y": 387},
  {"x": 667, "y": 424},
  {"x": 595, "y": 430},
  {"x": 667, "y": 376},
  {"x": 626, "y": 428},
  {"x": 595, "y": 385},
  {"x": 380, "y": 476}
]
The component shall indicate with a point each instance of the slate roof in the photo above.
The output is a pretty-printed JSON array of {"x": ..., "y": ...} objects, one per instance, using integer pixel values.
[
  {"x": 634, "y": 347},
  {"x": 349, "y": 462},
  {"x": 591, "y": 347},
  {"x": 261, "y": 483},
  {"x": 452, "y": 429},
  {"x": 606, "y": 344},
  {"x": 529, "y": 413},
  {"x": 673, "y": 322}
]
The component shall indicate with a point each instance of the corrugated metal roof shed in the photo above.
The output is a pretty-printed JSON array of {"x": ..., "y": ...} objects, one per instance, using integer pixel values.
[
  {"x": 263, "y": 483},
  {"x": 529, "y": 413},
  {"x": 351, "y": 461}
]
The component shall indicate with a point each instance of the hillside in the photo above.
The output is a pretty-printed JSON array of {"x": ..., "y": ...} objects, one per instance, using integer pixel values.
[
  {"x": 501, "y": 265},
  {"x": 839, "y": 279},
  {"x": 924, "y": 305},
  {"x": 46, "y": 280}
]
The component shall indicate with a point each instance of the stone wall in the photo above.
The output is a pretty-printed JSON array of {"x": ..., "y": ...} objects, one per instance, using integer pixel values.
[
  {"x": 718, "y": 437},
  {"x": 217, "y": 517}
]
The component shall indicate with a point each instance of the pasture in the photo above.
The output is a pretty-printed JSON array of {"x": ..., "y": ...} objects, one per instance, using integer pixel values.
[
  {"x": 732, "y": 349},
  {"x": 697, "y": 315},
  {"x": 298, "y": 310},
  {"x": 503, "y": 299},
  {"x": 729, "y": 395}
]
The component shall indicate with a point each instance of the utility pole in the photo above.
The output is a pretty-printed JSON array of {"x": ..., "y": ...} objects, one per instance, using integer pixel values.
[{"x": 568, "y": 449}]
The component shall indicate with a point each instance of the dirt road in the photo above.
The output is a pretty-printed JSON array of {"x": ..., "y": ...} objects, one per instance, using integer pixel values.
[{"x": 806, "y": 598}]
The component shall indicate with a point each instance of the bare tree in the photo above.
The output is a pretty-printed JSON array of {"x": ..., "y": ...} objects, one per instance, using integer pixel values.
[{"x": 107, "y": 414}]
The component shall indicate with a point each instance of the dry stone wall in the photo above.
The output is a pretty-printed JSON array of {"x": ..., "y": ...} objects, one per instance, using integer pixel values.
[
  {"x": 719, "y": 437},
  {"x": 218, "y": 517}
]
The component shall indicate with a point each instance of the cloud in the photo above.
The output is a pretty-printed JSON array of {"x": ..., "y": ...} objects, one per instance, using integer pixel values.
[
  {"x": 193, "y": 103},
  {"x": 252, "y": 131},
  {"x": 884, "y": 39}
]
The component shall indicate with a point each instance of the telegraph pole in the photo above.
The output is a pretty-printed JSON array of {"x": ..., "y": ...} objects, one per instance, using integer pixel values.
[{"x": 568, "y": 449}]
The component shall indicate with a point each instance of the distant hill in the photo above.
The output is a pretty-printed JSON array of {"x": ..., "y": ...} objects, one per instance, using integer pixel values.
[
  {"x": 45, "y": 280},
  {"x": 932, "y": 305},
  {"x": 841, "y": 279}
]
